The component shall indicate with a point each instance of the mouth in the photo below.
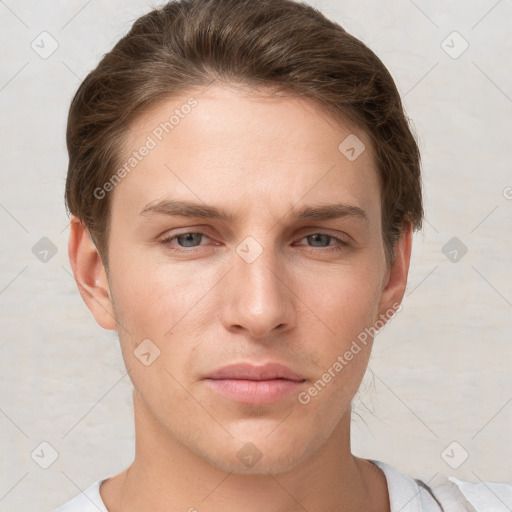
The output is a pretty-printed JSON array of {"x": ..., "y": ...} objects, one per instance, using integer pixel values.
[{"x": 249, "y": 384}]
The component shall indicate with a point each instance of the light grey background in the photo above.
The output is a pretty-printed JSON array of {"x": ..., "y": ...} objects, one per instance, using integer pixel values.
[{"x": 440, "y": 371}]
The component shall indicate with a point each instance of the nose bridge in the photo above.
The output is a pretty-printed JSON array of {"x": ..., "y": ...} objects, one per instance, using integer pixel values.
[
  {"x": 257, "y": 267},
  {"x": 260, "y": 300}
]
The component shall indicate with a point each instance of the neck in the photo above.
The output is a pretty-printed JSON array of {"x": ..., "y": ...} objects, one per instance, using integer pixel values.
[{"x": 166, "y": 475}]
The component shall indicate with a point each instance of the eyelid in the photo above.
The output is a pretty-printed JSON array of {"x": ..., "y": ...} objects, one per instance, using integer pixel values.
[
  {"x": 339, "y": 245},
  {"x": 166, "y": 238},
  {"x": 206, "y": 232}
]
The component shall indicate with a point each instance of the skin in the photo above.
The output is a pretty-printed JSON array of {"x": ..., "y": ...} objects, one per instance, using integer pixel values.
[{"x": 299, "y": 303}]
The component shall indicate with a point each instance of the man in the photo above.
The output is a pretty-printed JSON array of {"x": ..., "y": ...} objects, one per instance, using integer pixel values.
[{"x": 244, "y": 185}]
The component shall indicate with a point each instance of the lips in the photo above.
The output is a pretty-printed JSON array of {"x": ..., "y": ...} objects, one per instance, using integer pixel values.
[
  {"x": 247, "y": 383},
  {"x": 247, "y": 371}
]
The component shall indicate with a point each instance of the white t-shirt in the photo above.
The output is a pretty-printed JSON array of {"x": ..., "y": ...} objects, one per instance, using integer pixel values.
[{"x": 406, "y": 494}]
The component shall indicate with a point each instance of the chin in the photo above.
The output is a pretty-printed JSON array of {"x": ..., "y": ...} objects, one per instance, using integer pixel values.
[
  {"x": 258, "y": 454},
  {"x": 267, "y": 464}
]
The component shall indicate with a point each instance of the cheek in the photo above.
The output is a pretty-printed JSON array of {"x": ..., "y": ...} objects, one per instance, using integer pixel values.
[
  {"x": 152, "y": 307},
  {"x": 344, "y": 308},
  {"x": 145, "y": 292},
  {"x": 345, "y": 301},
  {"x": 167, "y": 304}
]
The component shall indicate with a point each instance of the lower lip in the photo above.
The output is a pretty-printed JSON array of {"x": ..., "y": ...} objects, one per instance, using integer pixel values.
[{"x": 254, "y": 391}]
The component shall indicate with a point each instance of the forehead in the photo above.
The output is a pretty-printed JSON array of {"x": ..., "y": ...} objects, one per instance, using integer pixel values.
[
  {"x": 225, "y": 144},
  {"x": 245, "y": 112}
]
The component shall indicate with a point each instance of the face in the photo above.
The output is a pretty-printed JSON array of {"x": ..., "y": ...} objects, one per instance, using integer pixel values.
[{"x": 292, "y": 273}]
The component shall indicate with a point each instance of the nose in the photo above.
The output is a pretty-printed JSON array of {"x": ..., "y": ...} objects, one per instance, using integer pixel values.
[{"x": 258, "y": 293}]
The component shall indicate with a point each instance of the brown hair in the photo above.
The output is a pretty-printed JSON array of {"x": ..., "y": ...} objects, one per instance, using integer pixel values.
[{"x": 280, "y": 45}]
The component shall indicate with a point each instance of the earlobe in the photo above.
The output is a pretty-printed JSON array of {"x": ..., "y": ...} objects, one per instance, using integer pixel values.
[
  {"x": 90, "y": 275},
  {"x": 396, "y": 282}
]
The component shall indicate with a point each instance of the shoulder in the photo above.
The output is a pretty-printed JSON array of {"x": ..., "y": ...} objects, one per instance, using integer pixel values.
[
  {"x": 87, "y": 501},
  {"x": 485, "y": 496},
  {"x": 443, "y": 493}
]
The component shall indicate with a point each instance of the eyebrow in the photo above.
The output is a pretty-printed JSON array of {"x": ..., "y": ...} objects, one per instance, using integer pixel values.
[{"x": 184, "y": 208}]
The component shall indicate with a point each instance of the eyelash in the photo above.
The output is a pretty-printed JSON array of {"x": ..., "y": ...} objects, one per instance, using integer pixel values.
[{"x": 166, "y": 242}]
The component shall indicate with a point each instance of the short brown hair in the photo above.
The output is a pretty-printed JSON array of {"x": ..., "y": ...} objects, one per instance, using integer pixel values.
[{"x": 280, "y": 45}]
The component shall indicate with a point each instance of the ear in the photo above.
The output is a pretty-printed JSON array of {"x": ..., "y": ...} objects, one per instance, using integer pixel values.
[
  {"x": 90, "y": 275},
  {"x": 396, "y": 276}
]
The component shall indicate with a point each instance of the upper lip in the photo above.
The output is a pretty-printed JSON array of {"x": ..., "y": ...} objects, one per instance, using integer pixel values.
[{"x": 249, "y": 371}]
